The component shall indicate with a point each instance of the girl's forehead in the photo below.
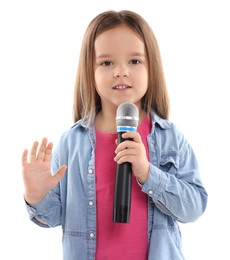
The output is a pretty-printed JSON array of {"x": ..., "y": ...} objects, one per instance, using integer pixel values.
[
  {"x": 120, "y": 36},
  {"x": 118, "y": 31}
]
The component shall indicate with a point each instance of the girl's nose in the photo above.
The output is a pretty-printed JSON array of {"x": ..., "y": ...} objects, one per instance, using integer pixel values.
[{"x": 121, "y": 72}]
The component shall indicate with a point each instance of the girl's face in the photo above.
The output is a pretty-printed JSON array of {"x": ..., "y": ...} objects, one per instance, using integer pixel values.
[{"x": 121, "y": 70}]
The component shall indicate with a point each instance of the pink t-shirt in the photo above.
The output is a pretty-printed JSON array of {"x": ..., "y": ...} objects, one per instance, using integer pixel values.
[{"x": 126, "y": 241}]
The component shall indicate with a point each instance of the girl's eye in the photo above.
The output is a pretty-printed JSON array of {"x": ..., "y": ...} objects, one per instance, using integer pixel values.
[
  {"x": 106, "y": 63},
  {"x": 134, "y": 62}
]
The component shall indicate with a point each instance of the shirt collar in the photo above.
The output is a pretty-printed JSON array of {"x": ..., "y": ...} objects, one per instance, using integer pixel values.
[{"x": 163, "y": 123}]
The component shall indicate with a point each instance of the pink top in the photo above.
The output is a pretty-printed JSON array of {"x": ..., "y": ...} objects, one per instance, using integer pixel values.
[{"x": 119, "y": 240}]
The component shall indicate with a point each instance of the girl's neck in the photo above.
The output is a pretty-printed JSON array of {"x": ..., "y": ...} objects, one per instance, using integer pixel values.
[{"x": 105, "y": 121}]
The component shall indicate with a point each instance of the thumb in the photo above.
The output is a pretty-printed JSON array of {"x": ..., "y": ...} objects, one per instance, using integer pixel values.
[{"x": 59, "y": 174}]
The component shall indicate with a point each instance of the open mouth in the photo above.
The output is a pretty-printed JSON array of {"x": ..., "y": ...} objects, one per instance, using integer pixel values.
[{"x": 121, "y": 87}]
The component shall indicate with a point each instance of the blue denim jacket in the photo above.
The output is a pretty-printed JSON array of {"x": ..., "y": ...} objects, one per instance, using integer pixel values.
[{"x": 174, "y": 189}]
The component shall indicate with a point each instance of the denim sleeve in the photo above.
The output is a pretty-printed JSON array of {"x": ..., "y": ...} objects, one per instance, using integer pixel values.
[
  {"x": 47, "y": 210},
  {"x": 176, "y": 188}
]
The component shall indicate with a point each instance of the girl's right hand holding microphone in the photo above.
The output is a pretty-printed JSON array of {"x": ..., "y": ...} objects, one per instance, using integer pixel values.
[{"x": 36, "y": 171}]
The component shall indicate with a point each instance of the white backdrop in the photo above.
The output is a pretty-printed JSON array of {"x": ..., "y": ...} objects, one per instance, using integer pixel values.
[{"x": 39, "y": 47}]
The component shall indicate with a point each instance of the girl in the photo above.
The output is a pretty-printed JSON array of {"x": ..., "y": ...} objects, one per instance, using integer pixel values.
[{"x": 119, "y": 62}]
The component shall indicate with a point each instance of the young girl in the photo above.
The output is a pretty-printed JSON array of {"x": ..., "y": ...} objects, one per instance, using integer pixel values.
[{"x": 119, "y": 62}]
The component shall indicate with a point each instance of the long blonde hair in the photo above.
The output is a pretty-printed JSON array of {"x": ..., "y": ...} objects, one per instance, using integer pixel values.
[{"x": 86, "y": 98}]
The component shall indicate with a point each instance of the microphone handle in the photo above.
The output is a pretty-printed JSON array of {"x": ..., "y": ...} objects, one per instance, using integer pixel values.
[{"x": 123, "y": 188}]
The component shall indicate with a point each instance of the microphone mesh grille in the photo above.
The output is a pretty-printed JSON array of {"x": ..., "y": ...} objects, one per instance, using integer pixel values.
[{"x": 127, "y": 115}]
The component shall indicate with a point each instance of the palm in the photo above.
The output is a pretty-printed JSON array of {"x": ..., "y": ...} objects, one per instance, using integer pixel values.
[{"x": 36, "y": 171}]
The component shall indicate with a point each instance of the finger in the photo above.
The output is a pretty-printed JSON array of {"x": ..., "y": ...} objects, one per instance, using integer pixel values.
[
  {"x": 33, "y": 151},
  {"x": 42, "y": 150},
  {"x": 59, "y": 174},
  {"x": 48, "y": 152},
  {"x": 125, "y": 158},
  {"x": 135, "y": 136},
  {"x": 125, "y": 154},
  {"x": 125, "y": 145},
  {"x": 24, "y": 157}
]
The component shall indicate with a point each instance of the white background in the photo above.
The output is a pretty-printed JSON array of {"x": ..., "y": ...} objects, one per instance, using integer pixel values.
[{"x": 39, "y": 46}]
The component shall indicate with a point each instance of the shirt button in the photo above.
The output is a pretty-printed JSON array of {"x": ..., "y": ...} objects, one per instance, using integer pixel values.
[
  {"x": 91, "y": 203},
  {"x": 92, "y": 235},
  {"x": 90, "y": 171},
  {"x": 150, "y": 192}
]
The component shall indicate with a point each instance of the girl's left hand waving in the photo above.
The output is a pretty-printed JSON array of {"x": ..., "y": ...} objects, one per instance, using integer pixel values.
[{"x": 133, "y": 151}]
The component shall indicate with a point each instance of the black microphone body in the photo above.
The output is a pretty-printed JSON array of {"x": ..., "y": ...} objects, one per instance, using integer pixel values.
[
  {"x": 127, "y": 120},
  {"x": 123, "y": 189}
]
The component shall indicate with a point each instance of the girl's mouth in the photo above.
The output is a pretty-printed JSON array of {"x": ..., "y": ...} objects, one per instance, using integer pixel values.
[{"x": 121, "y": 87}]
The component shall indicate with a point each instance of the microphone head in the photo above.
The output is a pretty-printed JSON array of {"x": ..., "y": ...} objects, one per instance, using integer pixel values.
[{"x": 127, "y": 117}]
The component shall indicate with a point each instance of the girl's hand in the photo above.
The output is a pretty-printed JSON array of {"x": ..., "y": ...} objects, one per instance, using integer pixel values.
[
  {"x": 37, "y": 177},
  {"x": 133, "y": 151}
]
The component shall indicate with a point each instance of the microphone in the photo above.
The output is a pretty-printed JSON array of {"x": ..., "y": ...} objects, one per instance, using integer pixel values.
[{"x": 127, "y": 118}]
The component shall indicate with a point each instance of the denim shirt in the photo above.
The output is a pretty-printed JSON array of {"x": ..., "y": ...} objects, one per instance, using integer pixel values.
[{"x": 174, "y": 188}]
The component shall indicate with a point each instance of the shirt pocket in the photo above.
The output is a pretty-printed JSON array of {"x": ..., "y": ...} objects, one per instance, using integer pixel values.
[{"x": 169, "y": 162}]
